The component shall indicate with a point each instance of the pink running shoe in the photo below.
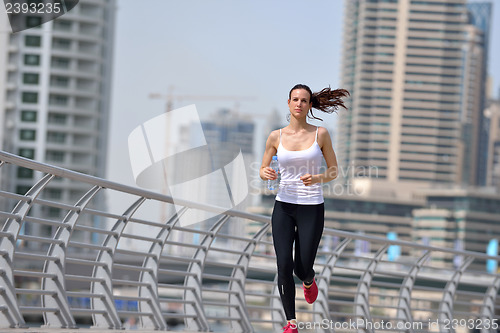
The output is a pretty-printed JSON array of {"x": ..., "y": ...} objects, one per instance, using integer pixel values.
[
  {"x": 311, "y": 293},
  {"x": 290, "y": 328}
]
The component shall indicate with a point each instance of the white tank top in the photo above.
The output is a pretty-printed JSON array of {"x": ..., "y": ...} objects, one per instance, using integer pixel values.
[{"x": 293, "y": 165}]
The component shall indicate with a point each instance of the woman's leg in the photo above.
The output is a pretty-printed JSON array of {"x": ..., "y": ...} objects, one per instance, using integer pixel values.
[
  {"x": 310, "y": 224},
  {"x": 283, "y": 225}
]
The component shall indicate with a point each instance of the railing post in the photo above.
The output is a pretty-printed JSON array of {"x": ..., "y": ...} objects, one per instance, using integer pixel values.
[
  {"x": 193, "y": 307},
  {"x": 404, "y": 306},
  {"x": 362, "y": 304},
  {"x": 321, "y": 304},
  {"x": 151, "y": 278},
  {"x": 237, "y": 296},
  {"x": 446, "y": 305},
  {"x": 488, "y": 310},
  {"x": 11, "y": 316},
  {"x": 63, "y": 317},
  {"x": 110, "y": 318}
]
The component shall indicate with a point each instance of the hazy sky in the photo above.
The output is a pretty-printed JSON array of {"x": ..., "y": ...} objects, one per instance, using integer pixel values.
[{"x": 256, "y": 49}]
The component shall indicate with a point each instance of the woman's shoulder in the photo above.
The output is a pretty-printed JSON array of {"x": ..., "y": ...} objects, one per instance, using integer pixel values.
[
  {"x": 275, "y": 134},
  {"x": 274, "y": 137},
  {"x": 323, "y": 136},
  {"x": 322, "y": 131}
]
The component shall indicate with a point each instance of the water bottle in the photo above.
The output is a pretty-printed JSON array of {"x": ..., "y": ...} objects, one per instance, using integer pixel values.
[{"x": 273, "y": 184}]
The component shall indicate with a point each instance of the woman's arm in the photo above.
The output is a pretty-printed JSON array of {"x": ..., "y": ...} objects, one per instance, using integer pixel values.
[
  {"x": 331, "y": 172},
  {"x": 265, "y": 171}
]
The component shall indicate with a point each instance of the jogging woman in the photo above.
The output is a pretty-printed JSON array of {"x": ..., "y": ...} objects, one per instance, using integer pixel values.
[{"x": 298, "y": 215}]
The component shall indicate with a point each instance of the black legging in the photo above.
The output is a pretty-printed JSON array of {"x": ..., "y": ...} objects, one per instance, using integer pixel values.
[{"x": 304, "y": 225}]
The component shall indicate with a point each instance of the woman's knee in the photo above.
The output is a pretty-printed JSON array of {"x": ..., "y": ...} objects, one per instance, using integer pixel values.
[
  {"x": 299, "y": 273},
  {"x": 302, "y": 274},
  {"x": 285, "y": 268}
]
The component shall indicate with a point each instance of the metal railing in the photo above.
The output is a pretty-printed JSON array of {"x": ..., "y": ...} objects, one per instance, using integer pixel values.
[{"x": 100, "y": 268}]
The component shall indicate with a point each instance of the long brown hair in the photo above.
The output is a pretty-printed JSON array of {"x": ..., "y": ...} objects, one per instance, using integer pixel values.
[{"x": 326, "y": 100}]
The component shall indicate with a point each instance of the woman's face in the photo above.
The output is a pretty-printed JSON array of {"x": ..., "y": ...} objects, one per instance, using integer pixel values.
[{"x": 299, "y": 103}]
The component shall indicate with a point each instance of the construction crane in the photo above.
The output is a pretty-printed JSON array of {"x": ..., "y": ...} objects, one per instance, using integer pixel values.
[{"x": 170, "y": 97}]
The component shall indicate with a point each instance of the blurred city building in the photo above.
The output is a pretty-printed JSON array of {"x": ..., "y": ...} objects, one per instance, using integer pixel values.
[
  {"x": 227, "y": 134},
  {"x": 492, "y": 113},
  {"x": 479, "y": 14},
  {"x": 416, "y": 71},
  {"x": 458, "y": 218},
  {"x": 55, "y": 92}
]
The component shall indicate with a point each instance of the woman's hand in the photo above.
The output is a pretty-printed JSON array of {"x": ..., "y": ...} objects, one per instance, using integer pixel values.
[
  {"x": 309, "y": 179},
  {"x": 268, "y": 173}
]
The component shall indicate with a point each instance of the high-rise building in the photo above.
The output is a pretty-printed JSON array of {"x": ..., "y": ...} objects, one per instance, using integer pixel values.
[
  {"x": 492, "y": 113},
  {"x": 479, "y": 14},
  {"x": 55, "y": 92},
  {"x": 415, "y": 71}
]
